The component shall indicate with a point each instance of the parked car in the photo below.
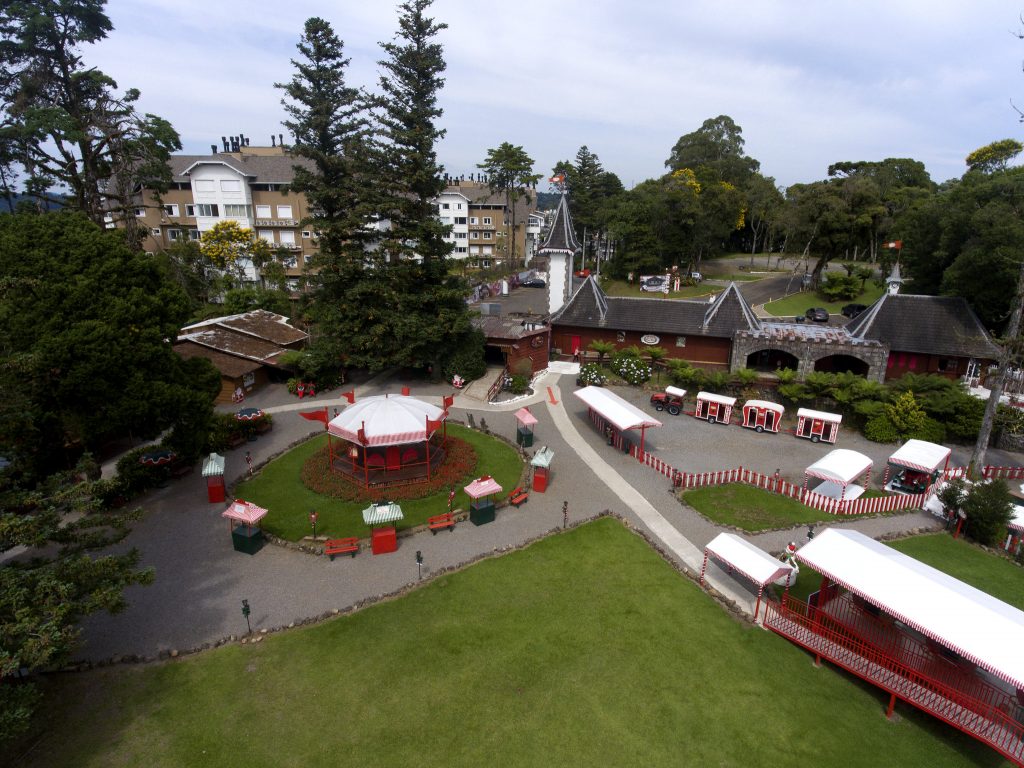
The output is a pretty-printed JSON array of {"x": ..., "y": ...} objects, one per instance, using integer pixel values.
[
  {"x": 670, "y": 400},
  {"x": 696, "y": 276},
  {"x": 582, "y": 273},
  {"x": 817, "y": 314},
  {"x": 534, "y": 282},
  {"x": 852, "y": 310},
  {"x": 655, "y": 283}
]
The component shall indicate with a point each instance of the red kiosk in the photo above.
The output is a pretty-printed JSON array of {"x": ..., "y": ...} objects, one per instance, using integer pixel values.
[
  {"x": 380, "y": 517},
  {"x": 213, "y": 471},
  {"x": 762, "y": 415},
  {"x": 714, "y": 408},
  {"x": 541, "y": 464},
  {"x": 817, "y": 425}
]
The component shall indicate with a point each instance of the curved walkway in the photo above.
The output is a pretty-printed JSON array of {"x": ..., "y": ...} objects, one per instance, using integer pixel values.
[{"x": 200, "y": 581}]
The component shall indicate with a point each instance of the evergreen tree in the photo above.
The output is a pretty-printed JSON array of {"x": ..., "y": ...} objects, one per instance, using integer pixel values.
[{"x": 510, "y": 172}]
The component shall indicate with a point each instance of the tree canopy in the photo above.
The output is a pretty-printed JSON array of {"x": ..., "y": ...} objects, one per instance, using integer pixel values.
[{"x": 509, "y": 171}]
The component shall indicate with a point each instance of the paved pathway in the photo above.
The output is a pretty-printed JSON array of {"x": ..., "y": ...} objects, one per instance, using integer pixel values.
[{"x": 201, "y": 581}]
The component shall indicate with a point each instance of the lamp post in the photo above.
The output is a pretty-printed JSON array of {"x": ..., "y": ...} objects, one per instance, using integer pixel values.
[
  {"x": 419, "y": 565},
  {"x": 245, "y": 612},
  {"x": 312, "y": 521}
]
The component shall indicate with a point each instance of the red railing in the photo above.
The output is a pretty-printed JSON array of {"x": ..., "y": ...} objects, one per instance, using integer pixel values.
[
  {"x": 497, "y": 385},
  {"x": 969, "y": 704}
]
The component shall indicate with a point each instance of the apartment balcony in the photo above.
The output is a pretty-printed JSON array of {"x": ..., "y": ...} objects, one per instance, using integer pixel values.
[{"x": 277, "y": 222}]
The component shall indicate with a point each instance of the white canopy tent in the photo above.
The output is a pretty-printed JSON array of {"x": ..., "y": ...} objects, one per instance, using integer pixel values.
[
  {"x": 837, "y": 470},
  {"x": 975, "y": 625},
  {"x": 743, "y": 557},
  {"x": 622, "y": 414},
  {"x": 918, "y": 456},
  {"x": 382, "y": 420}
]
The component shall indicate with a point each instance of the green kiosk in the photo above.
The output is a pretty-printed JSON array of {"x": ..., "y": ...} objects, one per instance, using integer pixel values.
[
  {"x": 481, "y": 506},
  {"x": 524, "y": 432},
  {"x": 243, "y": 518}
]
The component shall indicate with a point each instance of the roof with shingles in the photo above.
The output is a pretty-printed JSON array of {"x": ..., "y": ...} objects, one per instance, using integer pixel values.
[
  {"x": 561, "y": 238},
  {"x": 934, "y": 325},
  {"x": 259, "y": 323},
  {"x": 262, "y": 169},
  {"x": 228, "y": 365},
  {"x": 589, "y": 307}
]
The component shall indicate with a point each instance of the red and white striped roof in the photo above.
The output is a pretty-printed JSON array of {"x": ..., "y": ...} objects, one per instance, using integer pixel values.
[
  {"x": 386, "y": 420},
  {"x": 482, "y": 486},
  {"x": 757, "y": 565},
  {"x": 920, "y": 455},
  {"x": 711, "y": 397},
  {"x": 1017, "y": 520},
  {"x": 808, "y": 413},
  {"x": 619, "y": 412},
  {"x": 244, "y": 512},
  {"x": 524, "y": 417},
  {"x": 763, "y": 405},
  {"x": 976, "y": 625},
  {"x": 841, "y": 466}
]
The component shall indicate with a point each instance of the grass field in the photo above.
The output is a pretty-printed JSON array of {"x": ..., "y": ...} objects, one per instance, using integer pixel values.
[
  {"x": 278, "y": 487},
  {"x": 622, "y": 288},
  {"x": 799, "y": 303},
  {"x": 583, "y": 649},
  {"x": 749, "y": 508}
]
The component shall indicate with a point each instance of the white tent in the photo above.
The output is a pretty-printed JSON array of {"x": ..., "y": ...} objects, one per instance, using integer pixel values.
[
  {"x": 743, "y": 557},
  {"x": 621, "y": 413},
  {"x": 386, "y": 420},
  {"x": 975, "y": 625},
  {"x": 921, "y": 456},
  {"x": 837, "y": 470}
]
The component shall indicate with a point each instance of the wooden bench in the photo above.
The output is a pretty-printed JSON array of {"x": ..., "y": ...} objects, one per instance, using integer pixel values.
[
  {"x": 179, "y": 469},
  {"x": 437, "y": 522},
  {"x": 236, "y": 440},
  {"x": 517, "y": 497},
  {"x": 341, "y": 547}
]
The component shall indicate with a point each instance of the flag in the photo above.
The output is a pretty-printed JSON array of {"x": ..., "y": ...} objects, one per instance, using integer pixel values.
[
  {"x": 350, "y": 396},
  {"x": 316, "y": 416},
  {"x": 558, "y": 178},
  {"x": 897, "y": 244},
  {"x": 446, "y": 401},
  {"x": 432, "y": 425},
  {"x": 361, "y": 434}
]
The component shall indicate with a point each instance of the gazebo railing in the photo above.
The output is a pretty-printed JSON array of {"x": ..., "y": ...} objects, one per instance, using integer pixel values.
[{"x": 984, "y": 711}]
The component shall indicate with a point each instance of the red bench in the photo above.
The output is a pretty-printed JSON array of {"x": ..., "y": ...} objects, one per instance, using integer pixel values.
[
  {"x": 341, "y": 547},
  {"x": 438, "y": 522},
  {"x": 517, "y": 497}
]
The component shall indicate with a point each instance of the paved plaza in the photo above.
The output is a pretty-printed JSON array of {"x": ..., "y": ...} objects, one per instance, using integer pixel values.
[{"x": 201, "y": 581}]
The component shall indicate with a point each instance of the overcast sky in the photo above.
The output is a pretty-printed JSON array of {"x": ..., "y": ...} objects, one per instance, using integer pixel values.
[{"x": 810, "y": 83}]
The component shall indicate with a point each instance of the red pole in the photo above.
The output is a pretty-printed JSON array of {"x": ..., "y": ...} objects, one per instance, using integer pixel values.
[
  {"x": 757, "y": 607},
  {"x": 703, "y": 567},
  {"x": 892, "y": 705}
]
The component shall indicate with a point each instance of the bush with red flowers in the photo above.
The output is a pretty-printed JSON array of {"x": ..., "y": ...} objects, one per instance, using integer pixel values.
[{"x": 459, "y": 464}]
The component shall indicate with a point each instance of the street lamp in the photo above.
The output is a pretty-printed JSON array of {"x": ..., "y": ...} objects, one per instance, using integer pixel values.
[
  {"x": 419, "y": 565},
  {"x": 312, "y": 521},
  {"x": 245, "y": 612}
]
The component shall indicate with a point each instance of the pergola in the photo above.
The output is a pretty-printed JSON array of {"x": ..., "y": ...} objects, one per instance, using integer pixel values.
[
  {"x": 620, "y": 413},
  {"x": 387, "y": 435},
  {"x": 739, "y": 555},
  {"x": 837, "y": 470}
]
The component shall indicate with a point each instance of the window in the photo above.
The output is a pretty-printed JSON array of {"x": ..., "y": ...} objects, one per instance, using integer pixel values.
[
  {"x": 474, "y": 235},
  {"x": 446, "y": 219},
  {"x": 948, "y": 365},
  {"x": 289, "y": 262},
  {"x": 306, "y": 234},
  {"x": 287, "y": 237},
  {"x": 460, "y": 219},
  {"x": 230, "y": 185},
  {"x": 445, "y": 206},
  {"x": 267, "y": 235},
  {"x": 620, "y": 335},
  {"x": 460, "y": 235},
  {"x": 460, "y": 206},
  {"x": 680, "y": 341},
  {"x": 193, "y": 234},
  {"x": 488, "y": 249},
  {"x": 190, "y": 210},
  {"x": 284, "y": 211},
  {"x": 237, "y": 211},
  {"x": 307, "y": 258},
  {"x": 171, "y": 209},
  {"x": 487, "y": 219},
  {"x": 460, "y": 249},
  {"x": 485, "y": 263},
  {"x": 487, "y": 235},
  {"x": 203, "y": 185},
  {"x": 263, "y": 212},
  {"x": 155, "y": 231},
  {"x": 207, "y": 209},
  {"x": 140, "y": 212},
  {"x": 174, "y": 235},
  {"x": 472, "y": 219}
]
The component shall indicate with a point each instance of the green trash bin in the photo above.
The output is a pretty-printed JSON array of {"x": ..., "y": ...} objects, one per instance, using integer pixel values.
[
  {"x": 481, "y": 511},
  {"x": 247, "y": 539},
  {"x": 524, "y": 437}
]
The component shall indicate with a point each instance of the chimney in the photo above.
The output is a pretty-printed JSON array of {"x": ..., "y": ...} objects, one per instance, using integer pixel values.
[
  {"x": 224, "y": 140},
  {"x": 273, "y": 140},
  {"x": 280, "y": 139},
  {"x": 213, "y": 149},
  {"x": 241, "y": 139},
  {"x": 247, "y": 141}
]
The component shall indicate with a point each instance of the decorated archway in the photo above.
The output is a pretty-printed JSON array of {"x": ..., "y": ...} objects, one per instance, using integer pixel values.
[{"x": 772, "y": 360}]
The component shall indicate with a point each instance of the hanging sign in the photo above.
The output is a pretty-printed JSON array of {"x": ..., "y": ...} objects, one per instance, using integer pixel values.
[{"x": 650, "y": 339}]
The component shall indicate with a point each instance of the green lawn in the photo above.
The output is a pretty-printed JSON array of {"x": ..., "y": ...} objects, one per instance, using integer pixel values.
[
  {"x": 750, "y": 508},
  {"x": 799, "y": 303},
  {"x": 584, "y": 649},
  {"x": 278, "y": 487},
  {"x": 622, "y": 288}
]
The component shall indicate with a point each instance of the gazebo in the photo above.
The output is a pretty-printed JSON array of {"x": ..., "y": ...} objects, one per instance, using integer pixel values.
[
  {"x": 837, "y": 471},
  {"x": 739, "y": 555},
  {"x": 917, "y": 633},
  {"x": 387, "y": 440},
  {"x": 613, "y": 416},
  {"x": 915, "y": 466}
]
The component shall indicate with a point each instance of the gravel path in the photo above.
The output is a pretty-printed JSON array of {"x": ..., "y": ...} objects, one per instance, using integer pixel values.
[{"x": 201, "y": 581}]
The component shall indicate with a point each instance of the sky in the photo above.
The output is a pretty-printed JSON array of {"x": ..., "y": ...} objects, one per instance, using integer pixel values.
[{"x": 810, "y": 83}]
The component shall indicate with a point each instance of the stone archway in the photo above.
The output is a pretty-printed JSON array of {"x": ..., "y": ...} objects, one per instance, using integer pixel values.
[
  {"x": 769, "y": 359},
  {"x": 842, "y": 364}
]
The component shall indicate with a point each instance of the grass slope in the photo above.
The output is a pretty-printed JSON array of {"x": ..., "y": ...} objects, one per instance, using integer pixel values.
[
  {"x": 798, "y": 303},
  {"x": 278, "y": 487},
  {"x": 749, "y": 508},
  {"x": 584, "y": 649}
]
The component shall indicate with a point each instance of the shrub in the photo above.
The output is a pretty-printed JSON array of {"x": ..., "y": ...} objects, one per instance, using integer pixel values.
[
  {"x": 466, "y": 358},
  {"x": 633, "y": 370},
  {"x": 591, "y": 375},
  {"x": 717, "y": 382},
  {"x": 931, "y": 430},
  {"x": 136, "y": 478},
  {"x": 988, "y": 507},
  {"x": 519, "y": 384},
  {"x": 223, "y": 426},
  {"x": 906, "y": 414},
  {"x": 880, "y": 429}
]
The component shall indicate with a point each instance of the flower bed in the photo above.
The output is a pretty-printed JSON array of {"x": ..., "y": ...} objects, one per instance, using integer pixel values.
[{"x": 460, "y": 460}]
